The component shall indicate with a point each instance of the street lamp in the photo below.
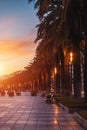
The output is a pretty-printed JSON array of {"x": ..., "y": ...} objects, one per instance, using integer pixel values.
[
  {"x": 55, "y": 72},
  {"x": 60, "y": 77},
  {"x": 71, "y": 57},
  {"x": 71, "y": 72}
]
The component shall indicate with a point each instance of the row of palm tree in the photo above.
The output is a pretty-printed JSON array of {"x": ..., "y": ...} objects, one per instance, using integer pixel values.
[
  {"x": 63, "y": 25},
  {"x": 63, "y": 21}
]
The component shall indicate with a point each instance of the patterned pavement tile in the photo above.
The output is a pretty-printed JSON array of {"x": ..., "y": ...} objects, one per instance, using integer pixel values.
[{"x": 26, "y": 112}]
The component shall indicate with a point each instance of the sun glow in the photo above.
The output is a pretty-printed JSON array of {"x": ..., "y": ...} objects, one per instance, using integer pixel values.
[
  {"x": 6, "y": 69},
  {"x": 2, "y": 70}
]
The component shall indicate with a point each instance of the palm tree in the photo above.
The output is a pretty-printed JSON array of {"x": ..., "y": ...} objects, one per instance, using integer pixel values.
[
  {"x": 53, "y": 20},
  {"x": 84, "y": 29},
  {"x": 77, "y": 31},
  {"x": 44, "y": 64},
  {"x": 51, "y": 28},
  {"x": 73, "y": 28}
]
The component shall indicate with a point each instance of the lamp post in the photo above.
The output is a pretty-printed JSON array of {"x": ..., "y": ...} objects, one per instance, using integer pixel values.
[
  {"x": 60, "y": 78},
  {"x": 71, "y": 57},
  {"x": 71, "y": 73},
  {"x": 55, "y": 72}
]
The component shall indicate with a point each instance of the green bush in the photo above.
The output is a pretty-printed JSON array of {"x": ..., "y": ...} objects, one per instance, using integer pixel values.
[
  {"x": 83, "y": 114},
  {"x": 71, "y": 102},
  {"x": 74, "y": 105},
  {"x": 57, "y": 95}
]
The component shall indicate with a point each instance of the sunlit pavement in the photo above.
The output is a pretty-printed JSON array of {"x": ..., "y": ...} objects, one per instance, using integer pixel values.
[{"x": 28, "y": 112}]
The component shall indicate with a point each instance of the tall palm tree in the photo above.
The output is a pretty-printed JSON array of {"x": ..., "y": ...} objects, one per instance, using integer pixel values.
[
  {"x": 84, "y": 29},
  {"x": 44, "y": 63},
  {"x": 51, "y": 27},
  {"x": 73, "y": 28},
  {"x": 52, "y": 18}
]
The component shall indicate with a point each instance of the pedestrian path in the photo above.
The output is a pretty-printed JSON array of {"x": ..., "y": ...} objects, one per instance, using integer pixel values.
[{"x": 28, "y": 112}]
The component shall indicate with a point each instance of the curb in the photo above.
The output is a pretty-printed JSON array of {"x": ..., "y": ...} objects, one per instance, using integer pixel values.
[
  {"x": 78, "y": 118},
  {"x": 64, "y": 107},
  {"x": 81, "y": 120}
]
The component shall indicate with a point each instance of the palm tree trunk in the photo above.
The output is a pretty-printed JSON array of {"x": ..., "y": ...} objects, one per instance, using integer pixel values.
[
  {"x": 62, "y": 72},
  {"x": 57, "y": 82},
  {"x": 85, "y": 74},
  {"x": 67, "y": 79},
  {"x": 49, "y": 80},
  {"x": 77, "y": 72}
]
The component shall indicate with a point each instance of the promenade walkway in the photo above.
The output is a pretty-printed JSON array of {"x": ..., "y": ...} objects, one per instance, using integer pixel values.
[{"x": 26, "y": 112}]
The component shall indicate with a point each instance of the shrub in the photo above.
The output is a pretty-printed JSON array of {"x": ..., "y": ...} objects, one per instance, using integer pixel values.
[
  {"x": 2, "y": 93},
  {"x": 33, "y": 93},
  {"x": 10, "y": 93},
  {"x": 83, "y": 114}
]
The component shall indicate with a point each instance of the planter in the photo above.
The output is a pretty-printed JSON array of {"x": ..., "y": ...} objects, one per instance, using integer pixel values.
[
  {"x": 10, "y": 93},
  {"x": 33, "y": 93},
  {"x": 2, "y": 93}
]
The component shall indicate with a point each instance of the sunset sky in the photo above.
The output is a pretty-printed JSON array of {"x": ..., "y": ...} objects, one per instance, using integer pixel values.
[{"x": 17, "y": 33}]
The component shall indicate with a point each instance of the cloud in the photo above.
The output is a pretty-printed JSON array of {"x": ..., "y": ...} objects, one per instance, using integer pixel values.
[
  {"x": 17, "y": 48},
  {"x": 17, "y": 34},
  {"x": 15, "y": 54}
]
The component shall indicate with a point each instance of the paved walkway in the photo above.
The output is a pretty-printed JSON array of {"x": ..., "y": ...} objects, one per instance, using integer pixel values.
[{"x": 32, "y": 113}]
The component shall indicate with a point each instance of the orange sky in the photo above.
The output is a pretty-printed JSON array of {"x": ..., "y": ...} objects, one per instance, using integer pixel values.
[
  {"x": 17, "y": 34},
  {"x": 14, "y": 55}
]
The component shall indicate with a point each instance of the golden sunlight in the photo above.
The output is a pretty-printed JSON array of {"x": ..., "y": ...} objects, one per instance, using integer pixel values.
[{"x": 2, "y": 70}]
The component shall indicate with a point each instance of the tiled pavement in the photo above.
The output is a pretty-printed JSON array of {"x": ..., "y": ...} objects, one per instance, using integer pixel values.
[{"x": 32, "y": 113}]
